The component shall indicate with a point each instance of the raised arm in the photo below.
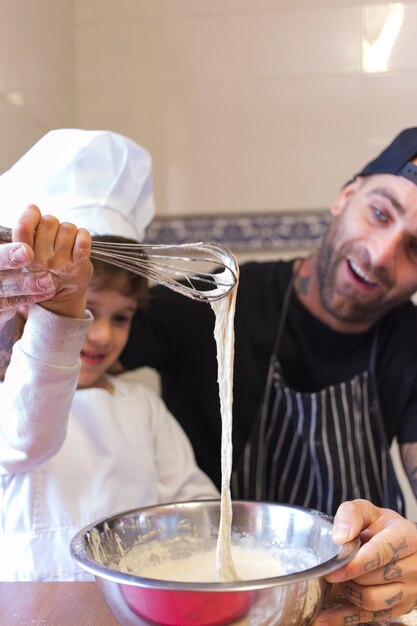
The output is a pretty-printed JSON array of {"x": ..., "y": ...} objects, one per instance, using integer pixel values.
[
  {"x": 19, "y": 287},
  {"x": 41, "y": 379}
]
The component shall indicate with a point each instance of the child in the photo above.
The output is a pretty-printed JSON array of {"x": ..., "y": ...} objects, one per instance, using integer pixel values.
[{"x": 116, "y": 447}]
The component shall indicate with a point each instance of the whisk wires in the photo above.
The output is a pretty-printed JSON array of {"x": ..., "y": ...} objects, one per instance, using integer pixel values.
[{"x": 176, "y": 266}]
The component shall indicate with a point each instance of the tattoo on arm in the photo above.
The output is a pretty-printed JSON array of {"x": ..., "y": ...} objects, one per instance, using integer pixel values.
[{"x": 302, "y": 284}]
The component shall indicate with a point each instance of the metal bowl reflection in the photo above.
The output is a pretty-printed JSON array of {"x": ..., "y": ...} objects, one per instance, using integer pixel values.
[{"x": 300, "y": 538}]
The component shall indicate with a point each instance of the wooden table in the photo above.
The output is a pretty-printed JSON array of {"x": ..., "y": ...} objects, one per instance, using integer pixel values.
[
  {"x": 53, "y": 604},
  {"x": 72, "y": 604}
]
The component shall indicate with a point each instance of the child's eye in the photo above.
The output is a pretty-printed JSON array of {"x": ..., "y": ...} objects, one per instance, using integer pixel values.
[{"x": 121, "y": 319}]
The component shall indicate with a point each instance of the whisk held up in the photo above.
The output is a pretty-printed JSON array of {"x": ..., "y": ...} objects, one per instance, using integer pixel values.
[{"x": 202, "y": 271}]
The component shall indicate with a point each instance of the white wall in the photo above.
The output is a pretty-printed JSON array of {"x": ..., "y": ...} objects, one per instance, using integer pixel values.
[
  {"x": 246, "y": 105},
  {"x": 36, "y": 72}
]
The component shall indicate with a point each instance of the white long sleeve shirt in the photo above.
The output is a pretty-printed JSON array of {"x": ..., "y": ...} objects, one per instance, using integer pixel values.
[{"x": 69, "y": 458}]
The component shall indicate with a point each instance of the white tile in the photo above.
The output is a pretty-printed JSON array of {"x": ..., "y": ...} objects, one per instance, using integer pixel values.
[
  {"x": 196, "y": 114},
  {"x": 118, "y": 53},
  {"x": 115, "y": 10},
  {"x": 261, "y": 44},
  {"x": 227, "y": 180},
  {"x": 52, "y": 107},
  {"x": 193, "y": 7},
  {"x": 263, "y": 111},
  {"x": 37, "y": 56},
  {"x": 86, "y": 11},
  {"x": 240, "y": 6},
  {"x": 19, "y": 133},
  {"x": 328, "y": 40},
  {"x": 195, "y": 48},
  {"x": 388, "y": 103},
  {"x": 96, "y": 11},
  {"x": 136, "y": 112},
  {"x": 3, "y": 28},
  {"x": 37, "y": 12},
  {"x": 87, "y": 50},
  {"x": 401, "y": 56},
  {"x": 327, "y": 107}
]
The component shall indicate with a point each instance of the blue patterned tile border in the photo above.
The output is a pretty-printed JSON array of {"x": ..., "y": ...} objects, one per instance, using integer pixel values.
[{"x": 244, "y": 232}]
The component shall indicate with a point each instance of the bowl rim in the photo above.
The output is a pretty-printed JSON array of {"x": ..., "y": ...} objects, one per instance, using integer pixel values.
[{"x": 79, "y": 553}]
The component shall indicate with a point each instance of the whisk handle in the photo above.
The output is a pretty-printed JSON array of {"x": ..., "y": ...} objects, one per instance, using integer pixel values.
[{"x": 5, "y": 234}]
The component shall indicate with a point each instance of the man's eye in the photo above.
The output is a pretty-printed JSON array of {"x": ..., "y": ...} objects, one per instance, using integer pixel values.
[
  {"x": 380, "y": 215},
  {"x": 413, "y": 247}
]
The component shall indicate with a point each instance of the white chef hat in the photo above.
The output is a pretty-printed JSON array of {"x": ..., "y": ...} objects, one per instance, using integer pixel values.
[{"x": 97, "y": 179}]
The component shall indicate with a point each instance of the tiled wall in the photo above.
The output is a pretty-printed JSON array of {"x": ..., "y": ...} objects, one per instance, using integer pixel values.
[
  {"x": 249, "y": 107},
  {"x": 37, "y": 72}
]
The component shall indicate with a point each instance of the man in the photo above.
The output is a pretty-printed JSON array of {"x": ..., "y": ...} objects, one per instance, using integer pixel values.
[
  {"x": 326, "y": 354},
  {"x": 325, "y": 362},
  {"x": 332, "y": 324}
]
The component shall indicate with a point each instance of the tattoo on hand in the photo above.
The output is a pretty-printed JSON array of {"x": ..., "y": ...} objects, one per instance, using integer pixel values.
[
  {"x": 402, "y": 546},
  {"x": 374, "y": 564},
  {"x": 395, "y": 599},
  {"x": 352, "y": 619},
  {"x": 353, "y": 594},
  {"x": 392, "y": 571},
  {"x": 382, "y": 614},
  {"x": 359, "y": 618}
]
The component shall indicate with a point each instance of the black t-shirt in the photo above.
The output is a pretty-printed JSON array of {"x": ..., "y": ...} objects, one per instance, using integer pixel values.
[{"x": 174, "y": 335}]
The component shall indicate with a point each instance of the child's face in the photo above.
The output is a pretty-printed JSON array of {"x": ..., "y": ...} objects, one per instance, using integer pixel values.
[{"x": 107, "y": 336}]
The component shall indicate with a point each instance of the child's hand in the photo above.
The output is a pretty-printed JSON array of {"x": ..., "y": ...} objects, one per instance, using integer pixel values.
[
  {"x": 63, "y": 250},
  {"x": 17, "y": 287}
]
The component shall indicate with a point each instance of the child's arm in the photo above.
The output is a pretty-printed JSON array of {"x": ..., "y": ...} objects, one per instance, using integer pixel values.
[
  {"x": 41, "y": 379},
  {"x": 19, "y": 287}
]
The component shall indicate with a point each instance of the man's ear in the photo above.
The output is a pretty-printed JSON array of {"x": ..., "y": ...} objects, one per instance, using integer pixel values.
[{"x": 344, "y": 196}]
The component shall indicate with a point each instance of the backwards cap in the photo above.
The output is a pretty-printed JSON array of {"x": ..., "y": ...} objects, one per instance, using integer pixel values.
[
  {"x": 396, "y": 158},
  {"x": 97, "y": 179}
]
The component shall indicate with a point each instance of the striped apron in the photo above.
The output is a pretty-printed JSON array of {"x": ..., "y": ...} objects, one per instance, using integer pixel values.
[{"x": 318, "y": 449}]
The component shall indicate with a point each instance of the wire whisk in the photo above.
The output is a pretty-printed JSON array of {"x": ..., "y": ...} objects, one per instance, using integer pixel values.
[{"x": 202, "y": 271}]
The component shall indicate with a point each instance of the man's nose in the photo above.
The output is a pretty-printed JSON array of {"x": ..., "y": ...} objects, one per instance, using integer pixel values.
[{"x": 384, "y": 248}]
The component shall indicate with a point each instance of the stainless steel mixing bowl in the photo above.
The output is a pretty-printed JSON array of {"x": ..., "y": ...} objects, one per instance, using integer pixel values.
[{"x": 300, "y": 538}]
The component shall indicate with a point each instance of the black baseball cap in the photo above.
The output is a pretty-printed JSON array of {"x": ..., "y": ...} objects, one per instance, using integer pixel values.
[{"x": 396, "y": 158}]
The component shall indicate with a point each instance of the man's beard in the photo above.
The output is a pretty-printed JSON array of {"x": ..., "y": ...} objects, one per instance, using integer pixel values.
[{"x": 344, "y": 308}]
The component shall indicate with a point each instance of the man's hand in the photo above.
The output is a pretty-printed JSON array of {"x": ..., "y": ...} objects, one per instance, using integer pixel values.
[{"x": 381, "y": 580}]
